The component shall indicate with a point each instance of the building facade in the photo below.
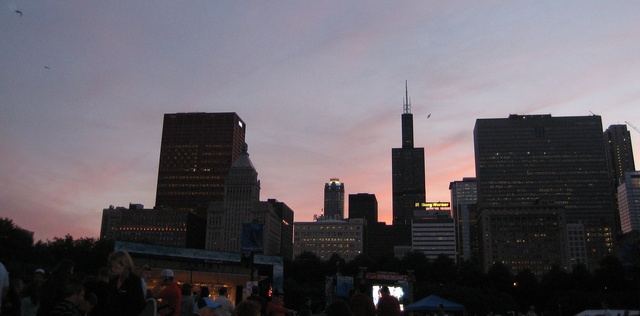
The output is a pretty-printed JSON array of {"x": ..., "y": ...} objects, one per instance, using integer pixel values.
[
  {"x": 242, "y": 205},
  {"x": 325, "y": 237},
  {"x": 165, "y": 227},
  {"x": 363, "y": 205},
  {"x": 576, "y": 244},
  {"x": 386, "y": 240},
  {"x": 407, "y": 165},
  {"x": 464, "y": 196},
  {"x": 334, "y": 199},
  {"x": 196, "y": 153},
  {"x": 617, "y": 141},
  {"x": 285, "y": 215},
  {"x": 524, "y": 159},
  {"x": 619, "y": 152},
  {"x": 434, "y": 234},
  {"x": 629, "y": 201},
  {"x": 526, "y": 237}
]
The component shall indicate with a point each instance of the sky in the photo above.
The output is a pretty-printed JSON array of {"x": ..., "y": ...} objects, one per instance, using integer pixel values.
[{"x": 84, "y": 86}]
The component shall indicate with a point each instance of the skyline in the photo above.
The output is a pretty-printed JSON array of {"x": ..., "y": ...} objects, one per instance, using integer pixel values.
[{"x": 84, "y": 87}]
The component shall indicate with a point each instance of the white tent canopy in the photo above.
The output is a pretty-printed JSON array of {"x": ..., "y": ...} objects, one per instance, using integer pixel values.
[{"x": 611, "y": 312}]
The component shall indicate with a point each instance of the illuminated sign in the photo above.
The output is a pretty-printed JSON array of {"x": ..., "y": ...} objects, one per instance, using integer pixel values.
[
  {"x": 386, "y": 276},
  {"x": 432, "y": 204}
]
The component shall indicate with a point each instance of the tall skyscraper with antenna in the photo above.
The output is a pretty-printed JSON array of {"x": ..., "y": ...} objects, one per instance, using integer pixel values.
[{"x": 407, "y": 165}]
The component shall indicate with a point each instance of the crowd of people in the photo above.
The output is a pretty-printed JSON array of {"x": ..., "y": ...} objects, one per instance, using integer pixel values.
[{"x": 120, "y": 289}]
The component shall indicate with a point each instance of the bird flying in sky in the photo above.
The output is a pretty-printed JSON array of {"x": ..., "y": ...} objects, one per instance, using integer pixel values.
[{"x": 19, "y": 12}]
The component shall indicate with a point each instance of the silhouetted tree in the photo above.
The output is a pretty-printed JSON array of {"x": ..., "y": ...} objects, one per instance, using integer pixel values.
[
  {"x": 335, "y": 264},
  {"x": 581, "y": 278},
  {"x": 443, "y": 270},
  {"x": 388, "y": 263},
  {"x": 419, "y": 263},
  {"x": 469, "y": 274},
  {"x": 353, "y": 267},
  {"x": 553, "y": 286},
  {"x": 16, "y": 247},
  {"x": 526, "y": 290},
  {"x": 307, "y": 266},
  {"x": 499, "y": 278}
]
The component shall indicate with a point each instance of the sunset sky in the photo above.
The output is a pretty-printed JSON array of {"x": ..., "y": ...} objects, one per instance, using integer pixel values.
[{"x": 84, "y": 86}]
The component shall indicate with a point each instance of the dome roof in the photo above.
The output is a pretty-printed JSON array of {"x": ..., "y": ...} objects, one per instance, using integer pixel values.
[{"x": 243, "y": 160}]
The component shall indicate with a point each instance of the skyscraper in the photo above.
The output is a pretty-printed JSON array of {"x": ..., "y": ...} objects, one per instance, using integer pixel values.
[
  {"x": 526, "y": 159},
  {"x": 407, "y": 166},
  {"x": 241, "y": 205},
  {"x": 363, "y": 205},
  {"x": 619, "y": 152},
  {"x": 334, "y": 199},
  {"x": 285, "y": 214},
  {"x": 617, "y": 141},
  {"x": 196, "y": 153},
  {"x": 463, "y": 207},
  {"x": 629, "y": 201}
]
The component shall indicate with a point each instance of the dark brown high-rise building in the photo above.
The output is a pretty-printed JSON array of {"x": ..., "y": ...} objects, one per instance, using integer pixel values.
[
  {"x": 526, "y": 159},
  {"x": 407, "y": 166},
  {"x": 196, "y": 153}
]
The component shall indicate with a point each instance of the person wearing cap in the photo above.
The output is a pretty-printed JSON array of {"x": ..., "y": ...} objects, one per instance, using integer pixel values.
[
  {"x": 205, "y": 306},
  {"x": 38, "y": 276},
  {"x": 388, "y": 305},
  {"x": 276, "y": 306},
  {"x": 125, "y": 288},
  {"x": 170, "y": 297}
]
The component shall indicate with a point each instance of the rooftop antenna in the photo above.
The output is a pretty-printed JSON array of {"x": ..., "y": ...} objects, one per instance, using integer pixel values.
[
  {"x": 633, "y": 126},
  {"x": 407, "y": 102}
]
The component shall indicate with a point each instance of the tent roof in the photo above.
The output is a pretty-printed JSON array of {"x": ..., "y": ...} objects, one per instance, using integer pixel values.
[
  {"x": 432, "y": 303},
  {"x": 612, "y": 312}
]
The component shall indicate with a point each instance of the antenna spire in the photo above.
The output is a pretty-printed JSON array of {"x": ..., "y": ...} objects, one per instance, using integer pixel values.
[{"x": 407, "y": 102}]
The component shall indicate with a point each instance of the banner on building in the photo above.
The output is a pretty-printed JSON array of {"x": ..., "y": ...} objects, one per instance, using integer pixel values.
[
  {"x": 252, "y": 237},
  {"x": 345, "y": 285}
]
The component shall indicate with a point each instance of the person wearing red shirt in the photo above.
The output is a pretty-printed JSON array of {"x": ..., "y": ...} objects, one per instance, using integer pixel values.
[
  {"x": 170, "y": 296},
  {"x": 276, "y": 306}
]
